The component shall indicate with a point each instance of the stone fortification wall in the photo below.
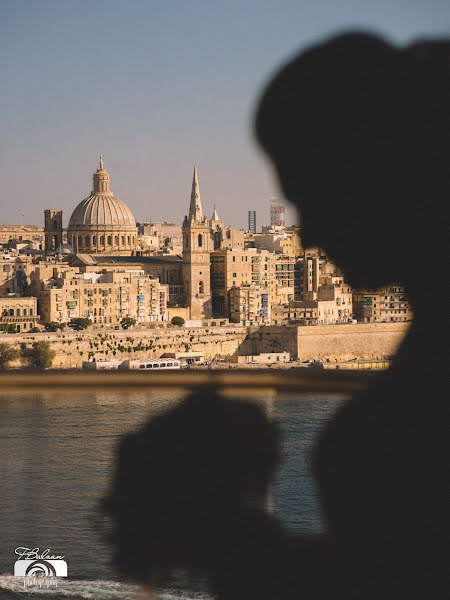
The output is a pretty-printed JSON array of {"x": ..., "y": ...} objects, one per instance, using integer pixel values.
[
  {"x": 72, "y": 348},
  {"x": 333, "y": 342}
]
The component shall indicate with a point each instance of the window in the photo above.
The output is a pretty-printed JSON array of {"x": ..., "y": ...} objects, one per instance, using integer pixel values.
[
  {"x": 116, "y": 240},
  {"x": 80, "y": 241},
  {"x": 123, "y": 240},
  {"x": 109, "y": 240},
  {"x": 200, "y": 240},
  {"x": 201, "y": 287},
  {"x": 87, "y": 240},
  {"x": 102, "y": 240}
]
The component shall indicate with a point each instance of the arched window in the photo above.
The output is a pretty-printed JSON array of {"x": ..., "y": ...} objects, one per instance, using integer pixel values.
[
  {"x": 116, "y": 240},
  {"x": 80, "y": 241},
  {"x": 123, "y": 240},
  {"x": 109, "y": 240},
  {"x": 74, "y": 240},
  {"x": 201, "y": 287},
  {"x": 87, "y": 240},
  {"x": 94, "y": 240},
  {"x": 129, "y": 240},
  {"x": 102, "y": 240},
  {"x": 200, "y": 240}
]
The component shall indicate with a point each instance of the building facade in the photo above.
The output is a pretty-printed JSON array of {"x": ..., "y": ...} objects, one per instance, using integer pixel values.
[
  {"x": 252, "y": 221},
  {"x": 104, "y": 297},
  {"x": 249, "y": 305},
  {"x": 18, "y": 313},
  {"x": 386, "y": 305}
]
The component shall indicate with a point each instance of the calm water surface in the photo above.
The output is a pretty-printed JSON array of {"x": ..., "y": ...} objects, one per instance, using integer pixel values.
[{"x": 56, "y": 454}]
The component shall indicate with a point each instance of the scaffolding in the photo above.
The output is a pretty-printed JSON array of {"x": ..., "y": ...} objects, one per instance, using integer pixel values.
[{"x": 276, "y": 213}]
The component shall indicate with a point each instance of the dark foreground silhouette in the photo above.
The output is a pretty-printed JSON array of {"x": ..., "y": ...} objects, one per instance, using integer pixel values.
[{"x": 359, "y": 134}]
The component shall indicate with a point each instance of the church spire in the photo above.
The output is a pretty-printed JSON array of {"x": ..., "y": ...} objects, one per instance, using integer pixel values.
[
  {"x": 195, "y": 208},
  {"x": 215, "y": 216}
]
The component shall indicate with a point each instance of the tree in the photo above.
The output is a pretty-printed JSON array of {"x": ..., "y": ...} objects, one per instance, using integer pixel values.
[
  {"x": 54, "y": 326},
  {"x": 178, "y": 321},
  {"x": 80, "y": 323},
  {"x": 7, "y": 354},
  {"x": 40, "y": 355},
  {"x": 8, "y": 328},
  {"x": 127, "y": 322}
]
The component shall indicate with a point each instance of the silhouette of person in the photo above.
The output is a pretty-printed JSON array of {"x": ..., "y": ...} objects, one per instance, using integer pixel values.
[{"x": 359, "y": 134}]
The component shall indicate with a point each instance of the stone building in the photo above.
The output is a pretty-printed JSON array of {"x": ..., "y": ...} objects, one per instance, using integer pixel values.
[
  {"x": 333, "y": 289},
  {"x": 287, "y": 241},
  {"x": 22, "y": 232},
  {"x": 235, "y": 268},
  {"x": 104, "y": 297},
  {"x": 385, "y": 305},
  {"x": 15, "y": 272},
  {"x": 249, "y": 305},
  {"x": 282, "y": 280},
  {"x": 102, "y": 223},
  {"x": 162, "y": 238},
  {"x": 18, "y": 313}
]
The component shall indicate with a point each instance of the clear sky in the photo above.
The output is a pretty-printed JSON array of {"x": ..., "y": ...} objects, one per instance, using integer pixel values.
[{"x": 156, "y": 86}]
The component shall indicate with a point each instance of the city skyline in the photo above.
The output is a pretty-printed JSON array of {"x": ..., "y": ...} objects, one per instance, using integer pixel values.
[{"x": 156, "y": 89}]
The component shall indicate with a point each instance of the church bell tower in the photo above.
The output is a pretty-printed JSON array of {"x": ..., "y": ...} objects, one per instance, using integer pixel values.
[
  {"x": 53, "y": 229},
  {"x": 197, "y": 245}
]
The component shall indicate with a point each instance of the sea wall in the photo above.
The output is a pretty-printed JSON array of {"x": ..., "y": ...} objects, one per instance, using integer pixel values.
[
  {"x": 333, "y": 342},
  {"x": 328, "y": 342},
  {"x": 72, "y": 348}
]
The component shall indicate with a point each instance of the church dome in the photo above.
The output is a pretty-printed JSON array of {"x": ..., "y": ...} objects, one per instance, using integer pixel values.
[
  {"x": 101, "y": 210},
  {"x": 102, "y": 222}
]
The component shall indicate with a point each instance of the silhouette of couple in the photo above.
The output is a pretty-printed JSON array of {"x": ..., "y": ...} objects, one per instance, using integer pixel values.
[{"x": 359, "y": 134}]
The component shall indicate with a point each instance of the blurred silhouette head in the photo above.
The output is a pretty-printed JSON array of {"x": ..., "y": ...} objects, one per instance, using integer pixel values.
[
  {"x": 359, "y": 133},
  {"x": 185, "y": 476}
]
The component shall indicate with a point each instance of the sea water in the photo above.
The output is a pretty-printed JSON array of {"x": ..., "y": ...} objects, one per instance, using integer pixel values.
[{"x": 56, "y": 457}]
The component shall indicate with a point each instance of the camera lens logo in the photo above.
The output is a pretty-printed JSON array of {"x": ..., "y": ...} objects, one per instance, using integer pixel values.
[{"x": 40, "y": 568}]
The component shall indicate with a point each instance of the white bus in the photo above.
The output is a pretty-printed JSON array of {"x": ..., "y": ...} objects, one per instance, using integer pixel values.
[{"x": 155, "y": 364}]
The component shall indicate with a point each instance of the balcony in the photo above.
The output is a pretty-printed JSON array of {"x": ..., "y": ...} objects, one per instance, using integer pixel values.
[{"x": 24, "y": 319}]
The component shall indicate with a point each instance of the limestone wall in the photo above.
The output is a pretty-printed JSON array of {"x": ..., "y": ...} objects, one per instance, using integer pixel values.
[
  {"x": 74, "y": 347},
  {"x": 334, "y": 342}
]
